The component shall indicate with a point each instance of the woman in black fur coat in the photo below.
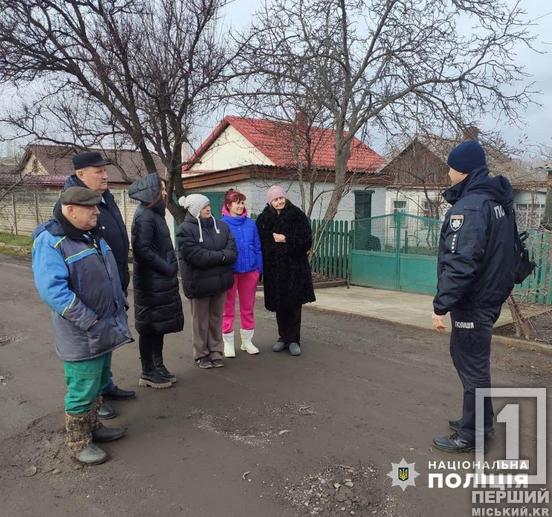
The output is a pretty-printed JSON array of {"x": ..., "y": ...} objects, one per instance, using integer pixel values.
[{"x": 286, "y": 238}]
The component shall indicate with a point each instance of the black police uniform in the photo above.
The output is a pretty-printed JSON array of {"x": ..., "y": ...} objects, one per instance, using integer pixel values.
[{"x": 475, "y": 276}]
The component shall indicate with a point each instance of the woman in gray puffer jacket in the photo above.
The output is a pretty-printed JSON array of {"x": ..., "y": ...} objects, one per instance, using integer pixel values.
[{"x": 206, "y": 251}]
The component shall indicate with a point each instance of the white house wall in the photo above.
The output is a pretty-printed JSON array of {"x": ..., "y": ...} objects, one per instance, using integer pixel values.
[
  {"x": 414, "y": 199},
  {"x": 255, "y": 191},
  {"x": 231, "y": 149}
]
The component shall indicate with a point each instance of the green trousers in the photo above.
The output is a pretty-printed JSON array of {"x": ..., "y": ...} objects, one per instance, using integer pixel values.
[{"x": 85, "y": 381}]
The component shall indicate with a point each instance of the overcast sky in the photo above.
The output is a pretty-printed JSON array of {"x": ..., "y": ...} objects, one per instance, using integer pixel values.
[{"x": 536, "y": 125}]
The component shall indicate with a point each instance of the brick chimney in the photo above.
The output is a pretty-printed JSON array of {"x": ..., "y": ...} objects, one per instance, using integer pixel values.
[
  {"x": 301, "y": 120},
  {"x": 470, "y": 133}
]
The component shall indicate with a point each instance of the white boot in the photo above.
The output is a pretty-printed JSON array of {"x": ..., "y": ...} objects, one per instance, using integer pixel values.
[
  {"x": 246, "y": 344},
  {"x": 228, "y": 339}
]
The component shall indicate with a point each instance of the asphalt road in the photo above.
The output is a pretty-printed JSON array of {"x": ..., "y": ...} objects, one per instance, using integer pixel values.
[{"x": 270, "y": 435}]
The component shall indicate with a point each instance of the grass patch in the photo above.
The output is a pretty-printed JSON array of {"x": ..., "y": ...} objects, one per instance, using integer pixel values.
[
  {"x": 15, "y": 245},
  {"x": 16, "y": 240}
]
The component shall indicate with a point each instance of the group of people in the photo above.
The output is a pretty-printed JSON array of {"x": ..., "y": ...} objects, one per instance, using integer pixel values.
[{"x": 80, "y": 266}]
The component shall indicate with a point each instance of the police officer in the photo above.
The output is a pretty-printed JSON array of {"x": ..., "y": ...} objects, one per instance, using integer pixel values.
[{"x": 475, "y": 276}]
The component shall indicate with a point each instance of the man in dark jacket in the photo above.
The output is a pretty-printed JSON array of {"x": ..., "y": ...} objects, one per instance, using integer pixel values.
[
  {"x": 475, "y": 276},
  {"x": 76, "y": 276},
  {"x": 91, "y": 172}
]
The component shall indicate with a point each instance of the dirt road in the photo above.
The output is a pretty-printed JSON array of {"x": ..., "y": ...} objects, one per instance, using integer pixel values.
[{"x": 268, "y": 436}]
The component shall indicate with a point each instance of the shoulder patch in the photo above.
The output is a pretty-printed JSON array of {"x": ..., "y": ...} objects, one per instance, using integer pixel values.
[{"x": 456, "y": 222}]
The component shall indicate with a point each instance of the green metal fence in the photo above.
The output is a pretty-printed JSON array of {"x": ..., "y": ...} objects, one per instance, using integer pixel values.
[
  {"x": 538, "y": 287},
  {"x": 331, "y": 248},
  {"x": 399, "y": 252},
  {"x": 396, "y": 251}
]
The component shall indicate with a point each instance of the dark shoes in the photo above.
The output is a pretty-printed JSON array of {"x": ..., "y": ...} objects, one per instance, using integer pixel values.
[
  {"x": 453, "y": 443},
  {"x": 165, "y": 373},
  {"x": 106, "y": 412},
  {"x": 108, "y": 434},
  {"x": 455, "y": 425},
  {"x": 119, "y": 394},
  {"x": 279, "y": 346},
  {"x": 217, "y": 363},
  {"x": 204, "y": 363},
  {"x": 153, "y": 379}
]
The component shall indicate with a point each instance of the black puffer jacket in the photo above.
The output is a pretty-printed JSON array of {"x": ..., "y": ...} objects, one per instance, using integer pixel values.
[
  {"x": 157, "y": 304},
  {"x": 206, "y": 266},
  {"x": 476, "y": 249},
  {"x": 286, "y": 270}
]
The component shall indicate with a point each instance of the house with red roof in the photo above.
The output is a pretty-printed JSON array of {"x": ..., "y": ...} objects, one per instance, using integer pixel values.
[{"x": 252, "y": 154}]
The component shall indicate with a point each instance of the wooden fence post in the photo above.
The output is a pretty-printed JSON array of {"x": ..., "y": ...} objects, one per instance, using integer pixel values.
[{"x": 14, "y": 213}]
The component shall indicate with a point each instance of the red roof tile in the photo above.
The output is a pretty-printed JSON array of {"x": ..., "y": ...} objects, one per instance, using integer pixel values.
[{"x": 275, "y": 140}]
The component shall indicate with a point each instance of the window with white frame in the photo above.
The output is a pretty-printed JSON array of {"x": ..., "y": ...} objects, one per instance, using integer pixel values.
[
  {"x": 399, "y": 206},
  {"x": 528, "y": 215}
]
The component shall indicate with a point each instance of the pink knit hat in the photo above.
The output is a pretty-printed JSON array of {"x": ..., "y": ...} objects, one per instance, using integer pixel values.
[{"x": 274, "y": 192}]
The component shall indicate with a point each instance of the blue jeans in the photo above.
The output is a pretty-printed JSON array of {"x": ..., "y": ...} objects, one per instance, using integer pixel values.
[{"x": 110, "y": 386}]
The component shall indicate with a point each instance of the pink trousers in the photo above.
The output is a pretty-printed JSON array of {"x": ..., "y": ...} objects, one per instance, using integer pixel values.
[{"x": 245, "y": 284}]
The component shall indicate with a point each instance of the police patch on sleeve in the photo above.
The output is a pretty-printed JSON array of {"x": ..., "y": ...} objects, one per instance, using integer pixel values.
[{"x": 456, "y": 222}]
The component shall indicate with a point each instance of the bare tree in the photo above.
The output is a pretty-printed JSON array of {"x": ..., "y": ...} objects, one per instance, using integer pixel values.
[
  {"x": 119, "y": 73},
  {"x": 387, "y": 63}
]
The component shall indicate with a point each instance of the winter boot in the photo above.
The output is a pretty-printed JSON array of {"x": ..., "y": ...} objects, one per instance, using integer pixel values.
[
  {"x": 150, "y": 376},
  {"x": 100, "y": 433},
  {"x": 78, "y": 438},
  {"x": 106, "y": 412},
  {"x": 246, "y": 344},
  {"x": 229, "y": 350},
  {"x": 157, "y": 356}
]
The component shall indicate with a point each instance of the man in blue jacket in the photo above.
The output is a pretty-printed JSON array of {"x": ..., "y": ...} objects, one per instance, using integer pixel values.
[
  {"x": 91, "y": 172},
  {"x": 475, "y": 276},
  {"x": 76, "y": 276}
]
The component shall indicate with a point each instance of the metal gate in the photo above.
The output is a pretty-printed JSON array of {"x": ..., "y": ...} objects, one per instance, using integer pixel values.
[{"x": 396, "y": 251}]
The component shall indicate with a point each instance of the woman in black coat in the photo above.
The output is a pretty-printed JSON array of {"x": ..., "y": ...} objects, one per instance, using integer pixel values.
[
  {"x": 157, "y": 304},
  {"x": 207, "y": 251},
  {"x": 286, "y": 238}
]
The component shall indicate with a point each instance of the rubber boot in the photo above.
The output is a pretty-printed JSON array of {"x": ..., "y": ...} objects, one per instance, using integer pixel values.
[
  {"x": 246, "y": 343},
  {"x": 157, "y": 355},
  {"x": 100, "y": 433},
  {"x": 78, "y": 438},
  {"x": 229, "y": 350},
  {"x": 150, "y": 376}
]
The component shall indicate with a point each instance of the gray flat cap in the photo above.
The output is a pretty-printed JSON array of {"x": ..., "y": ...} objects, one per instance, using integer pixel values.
[{"x": 80, "y": 196}]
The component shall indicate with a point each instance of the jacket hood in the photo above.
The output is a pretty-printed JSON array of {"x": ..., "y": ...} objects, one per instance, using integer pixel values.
[
  {"x": 226, "y": 212},
  {"x": 145, "y": 189},
  {"x": 51, "y": 226},
  {"x": 496, "y": 188},
  {"x": 201, "y": 223}
]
